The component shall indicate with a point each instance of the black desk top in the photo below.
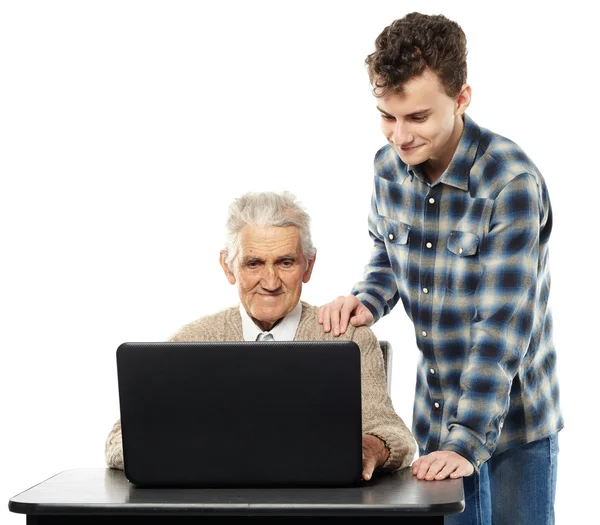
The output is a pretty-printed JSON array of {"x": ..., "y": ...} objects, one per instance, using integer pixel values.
[{"x": 107, "y": 491}]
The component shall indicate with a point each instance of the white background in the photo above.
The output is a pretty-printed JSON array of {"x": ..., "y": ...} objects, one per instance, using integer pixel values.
[{"x": 127, "y": 127}]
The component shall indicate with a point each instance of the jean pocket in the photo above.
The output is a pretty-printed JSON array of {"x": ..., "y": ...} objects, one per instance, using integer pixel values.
[
  {"x": 464, "y": 270},
  {"x": 396, "y": 235}
]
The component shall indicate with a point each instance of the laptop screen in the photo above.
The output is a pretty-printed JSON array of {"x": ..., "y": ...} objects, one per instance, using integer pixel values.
[{"x": 241, "y": 413}]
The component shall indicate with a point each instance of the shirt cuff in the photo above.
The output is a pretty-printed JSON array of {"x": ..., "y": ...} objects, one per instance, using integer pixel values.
[
  {"x": 367, "y": 300},
  {"x": 464, "y": 442}
]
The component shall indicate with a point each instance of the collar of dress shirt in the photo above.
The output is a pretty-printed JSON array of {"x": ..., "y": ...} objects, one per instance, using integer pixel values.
[{"x": 284, "y": 330}]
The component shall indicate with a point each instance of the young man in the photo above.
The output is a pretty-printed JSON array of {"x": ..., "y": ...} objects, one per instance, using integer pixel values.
[{"x": 460, "y": 219}]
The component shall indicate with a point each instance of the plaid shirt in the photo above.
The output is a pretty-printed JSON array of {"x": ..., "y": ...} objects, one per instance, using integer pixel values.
[{"x": 468, "y": 257}]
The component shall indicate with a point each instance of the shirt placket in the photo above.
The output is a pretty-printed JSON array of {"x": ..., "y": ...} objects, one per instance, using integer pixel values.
[{"x": 426, "y": 336}]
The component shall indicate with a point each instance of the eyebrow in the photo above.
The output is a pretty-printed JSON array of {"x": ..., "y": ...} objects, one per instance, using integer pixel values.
[
  {"x": 251, "y": 258},
  {"x": 414, "y": 113},
  {"x": 254, "y": 258}
]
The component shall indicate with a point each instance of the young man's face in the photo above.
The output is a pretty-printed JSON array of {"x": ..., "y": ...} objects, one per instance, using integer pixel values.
[
  {"x": 423, "y": 123},
  {"x": 270, "y": 270}
]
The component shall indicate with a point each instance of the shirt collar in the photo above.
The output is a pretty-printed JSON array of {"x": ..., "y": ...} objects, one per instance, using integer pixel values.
[
  {"x": 457, "y": 172},
  {"x": 284, "y": 330}
]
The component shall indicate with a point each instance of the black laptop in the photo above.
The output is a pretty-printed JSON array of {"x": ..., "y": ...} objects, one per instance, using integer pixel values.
[{"x": 240, "y": 414}]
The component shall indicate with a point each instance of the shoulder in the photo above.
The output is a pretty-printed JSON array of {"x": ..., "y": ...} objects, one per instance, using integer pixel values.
[
  {"x": 211, "y": 327},
  {"x": 309, "y": 327},
  {"x": 364, "y": 337},
  {"x": 499, "y": 162}
]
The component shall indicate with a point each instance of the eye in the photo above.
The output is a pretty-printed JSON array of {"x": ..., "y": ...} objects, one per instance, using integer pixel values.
[
  {"x": 252, "y": 264},
  {"x": 419, "y": 118},
  {"x": 287, "y": 263},
  {"x": 389, "y": 118}
]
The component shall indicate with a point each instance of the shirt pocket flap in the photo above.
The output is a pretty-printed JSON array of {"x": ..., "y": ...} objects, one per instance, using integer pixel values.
[
  {"x": 392, "y": 231},
  {"x": 463, "y": 244}
]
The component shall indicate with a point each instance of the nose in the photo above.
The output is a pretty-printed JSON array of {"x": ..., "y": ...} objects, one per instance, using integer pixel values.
[
  {"x": 270, "y": 280},
  {"x": 402, "y": 134}
]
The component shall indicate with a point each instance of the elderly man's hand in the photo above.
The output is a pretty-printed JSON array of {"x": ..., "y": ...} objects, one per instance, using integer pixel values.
[
  {"x": 336, "y": 314},
  {"x": 374, "y": 454},
  {"x": 440, "y": 465}
]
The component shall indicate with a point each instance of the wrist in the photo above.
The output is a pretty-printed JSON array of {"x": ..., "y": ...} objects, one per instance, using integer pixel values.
[
  {"x": 382, "y": 450},
  {"x": 385, "y": 454}
]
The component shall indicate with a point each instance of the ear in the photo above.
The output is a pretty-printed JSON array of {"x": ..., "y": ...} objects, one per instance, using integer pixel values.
[
  {"x": 228, "y": 273},
  {"x": 463, "y": 100},
  {"x": 308, "y": 271}
]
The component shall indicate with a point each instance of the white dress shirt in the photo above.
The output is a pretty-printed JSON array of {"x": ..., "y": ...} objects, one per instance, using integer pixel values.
[{"x": 284, "y": 330}]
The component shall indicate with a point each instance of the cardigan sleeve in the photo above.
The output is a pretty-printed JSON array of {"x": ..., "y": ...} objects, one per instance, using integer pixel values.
[
  {"x": 113, "y": 448},
  {"x": 379, "y": 417}
]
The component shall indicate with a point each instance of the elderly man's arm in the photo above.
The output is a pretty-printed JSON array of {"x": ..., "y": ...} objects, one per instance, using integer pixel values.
[
  {"x": 113, "y": 448},
  {"x": 379, "y": 417}
]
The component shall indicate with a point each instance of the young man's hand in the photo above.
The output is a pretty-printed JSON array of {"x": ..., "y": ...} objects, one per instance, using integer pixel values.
[
  {"x": 336, "y": 314},
  {"x": 374, "y": 454},
  {"x": 440, "y": 465}
]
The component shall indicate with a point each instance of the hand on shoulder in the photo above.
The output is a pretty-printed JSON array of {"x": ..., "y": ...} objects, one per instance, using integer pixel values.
[{"x": 336, "y": 315}]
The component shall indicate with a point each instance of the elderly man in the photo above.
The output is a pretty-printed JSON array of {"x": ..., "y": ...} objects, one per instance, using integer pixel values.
[{"x": 269, "y": 255}]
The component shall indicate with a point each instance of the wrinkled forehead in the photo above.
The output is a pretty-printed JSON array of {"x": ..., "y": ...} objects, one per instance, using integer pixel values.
[{"x": 269, "y": 241}]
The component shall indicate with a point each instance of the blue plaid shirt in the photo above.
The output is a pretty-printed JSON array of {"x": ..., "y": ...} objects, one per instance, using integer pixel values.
[{"x": 468, "y": 257}]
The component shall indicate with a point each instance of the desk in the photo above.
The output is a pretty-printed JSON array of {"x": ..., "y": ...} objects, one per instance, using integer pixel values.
[{"x": 102, "y": 496}]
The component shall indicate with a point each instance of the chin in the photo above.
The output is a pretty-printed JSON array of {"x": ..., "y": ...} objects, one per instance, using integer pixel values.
[
  {"x": 412, "y": 158},
  {"x": 268, "y": 316}
]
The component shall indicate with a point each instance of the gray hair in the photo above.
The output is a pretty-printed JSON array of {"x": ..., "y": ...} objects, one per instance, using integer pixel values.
[{"x": 266, "y": 209}]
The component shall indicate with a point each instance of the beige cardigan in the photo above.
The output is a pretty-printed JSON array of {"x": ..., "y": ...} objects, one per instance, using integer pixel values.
[{"x": 378, "y": 415}]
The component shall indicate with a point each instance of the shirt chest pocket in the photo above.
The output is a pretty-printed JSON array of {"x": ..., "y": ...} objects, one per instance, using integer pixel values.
[
  {"x": 464, "y": 270},
  {"x": 396, "y": 235}
]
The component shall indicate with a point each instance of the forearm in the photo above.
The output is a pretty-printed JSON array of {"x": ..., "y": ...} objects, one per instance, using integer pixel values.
[
  {"x": 377, "y": 291},
  {"x": 379, "y": 417}
]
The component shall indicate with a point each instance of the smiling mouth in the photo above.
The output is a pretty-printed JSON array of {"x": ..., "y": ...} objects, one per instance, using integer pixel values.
[{"x": 410, "y": 148}]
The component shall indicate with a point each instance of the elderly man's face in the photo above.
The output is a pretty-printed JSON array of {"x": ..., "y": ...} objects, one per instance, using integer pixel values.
[{"x": 269, "y": 272}]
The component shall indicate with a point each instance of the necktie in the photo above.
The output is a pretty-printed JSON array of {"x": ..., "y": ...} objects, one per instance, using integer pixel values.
[{"x": 265, "y": 336}]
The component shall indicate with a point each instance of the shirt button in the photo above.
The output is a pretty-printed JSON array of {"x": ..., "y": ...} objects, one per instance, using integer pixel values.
[
  {"x": 460, "y": 250},
  {"x": 431, "y": 200},
  {"x": 424, "y": 333},
  {"x": 432, "y": 370},
  {"x": 425, "y": 290},
  {"x": 429, "y": 245},
  {"x": 391, "y": 237},
  {"x": 501, "y": 424},
  {"x": 436, "y": 405},
  {"x": 478, "y": 462}
]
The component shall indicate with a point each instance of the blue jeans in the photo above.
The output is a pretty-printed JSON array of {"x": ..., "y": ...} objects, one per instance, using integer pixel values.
[{"x": 516, "y": 487}]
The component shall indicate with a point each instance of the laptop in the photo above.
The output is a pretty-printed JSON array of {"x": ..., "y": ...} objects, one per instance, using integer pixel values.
[{"x": 241, "y": 414}]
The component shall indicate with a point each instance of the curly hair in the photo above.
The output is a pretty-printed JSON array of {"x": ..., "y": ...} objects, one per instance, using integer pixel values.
[{"x": 409, "y": 45}]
